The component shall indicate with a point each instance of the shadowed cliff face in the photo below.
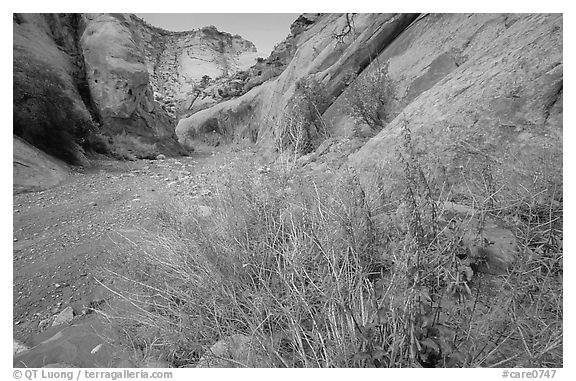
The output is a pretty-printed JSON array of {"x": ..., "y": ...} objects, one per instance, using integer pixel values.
[
  {"x": 48, "y": 104},
  {"x": 76, "y": 75}
]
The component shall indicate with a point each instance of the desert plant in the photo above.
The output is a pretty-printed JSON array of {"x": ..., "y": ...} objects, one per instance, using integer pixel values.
[
  {"x": 97, "y": 143},
  {"x": 129, "y": 147},
  {"x": 302, "y": 127},
  {"x": 320, "y": 275},
  {"x": 369, "y": 97}
]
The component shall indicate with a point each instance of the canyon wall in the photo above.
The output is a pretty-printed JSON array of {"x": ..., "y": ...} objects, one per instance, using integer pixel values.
[
  {"x": 319, "y": 54},
  {"x": 81, "y": 79},
  {"x": 193, "y": 69},
  {"x": 477, "y": 93}
]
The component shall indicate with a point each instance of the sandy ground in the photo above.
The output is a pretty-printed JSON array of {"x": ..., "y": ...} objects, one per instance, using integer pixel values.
[{"x": 65, "y": 236}]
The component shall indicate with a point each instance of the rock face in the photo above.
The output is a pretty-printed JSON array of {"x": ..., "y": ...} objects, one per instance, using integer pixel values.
[
  {"x": 482, "y": 98},
  {"x": 33, "y": 170},
  {"x": 194, "y": 69},
  {"x": 318, "y": 54},
  {"x": 118, "y": 78},
  {"x": 76, "y": 75},
  {"x": 111, "y": 74},
  {"x": 50, "y": 97},
  {"x": 479, "y": 93}
]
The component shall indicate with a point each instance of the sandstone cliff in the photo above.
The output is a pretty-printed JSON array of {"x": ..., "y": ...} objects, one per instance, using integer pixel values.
[
  {"x": 118, "y": 79},
  {"x": 319, "y": 54},
  {"x": 482, "y": 97},
  {"x": 192, "y": 70},
  {"x": 78, "y": 75},
  {"x": 478, "y": 92},
  {"x": 50, "y": 102}
]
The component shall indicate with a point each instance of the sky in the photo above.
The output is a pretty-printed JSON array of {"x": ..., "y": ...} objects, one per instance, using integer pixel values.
[{"x": 263, "y": 29}]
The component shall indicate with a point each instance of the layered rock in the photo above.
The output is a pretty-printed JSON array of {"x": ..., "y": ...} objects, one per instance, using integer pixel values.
[
  {"x": 482, "y": 98},
  {"x": 319, "y": 54},
  {"x": 193, "y": 69},
  {"x": 479, "y": 93},
  {"x": 34, "y": 170}
]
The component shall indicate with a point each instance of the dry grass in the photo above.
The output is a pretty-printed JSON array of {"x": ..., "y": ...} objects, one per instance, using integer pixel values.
[{"x": 322, "y": 275}]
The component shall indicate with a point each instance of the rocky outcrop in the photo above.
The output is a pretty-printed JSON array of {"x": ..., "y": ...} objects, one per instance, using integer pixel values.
[
  {"x": 482, "y": 98},
  {"x": 194, "y": 69},
  {"x": 326, "y": 50},
  {"x": 236, "y": 351},
  {"x": 33, "y": 170},
  {"x": 49, "y": 106},
  {"x": 82, "y": 74},
  {"x": 478, "y": 93},
  {"x": 76, "y": 75},
  {"x": 281, "y": 55},
  {"x": 119, "y": 82}
]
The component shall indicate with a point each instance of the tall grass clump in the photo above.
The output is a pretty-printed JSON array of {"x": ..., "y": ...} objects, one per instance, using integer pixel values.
[{"x": 327, "y": 274}]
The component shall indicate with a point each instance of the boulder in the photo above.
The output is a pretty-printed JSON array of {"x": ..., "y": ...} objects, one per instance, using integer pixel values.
[
  {"x": 74, "y": 345},
  {"x": 18, "y": 347},
  {"x": 64, "y": 317},
  {"x": 236, "y": 351},
  {"x": 491, "y": 246},
  {"x": 33, "y": 170}
]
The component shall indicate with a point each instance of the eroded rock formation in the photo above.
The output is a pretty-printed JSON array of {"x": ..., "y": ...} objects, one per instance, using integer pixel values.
[
  {"x": 319, "y": 53},
  {"x": 478, "y": 92},
  {"x": 76, "y": 75},
  {"x": 194, "y": 69}
]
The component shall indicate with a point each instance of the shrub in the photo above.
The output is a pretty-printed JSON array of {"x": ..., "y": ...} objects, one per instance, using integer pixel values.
[
  {"x": 128, "y": 147},
  {"x": 302, "y": 128},
  {"x": 369, "y": 98},
  {"x": 98, "y": 143}
]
